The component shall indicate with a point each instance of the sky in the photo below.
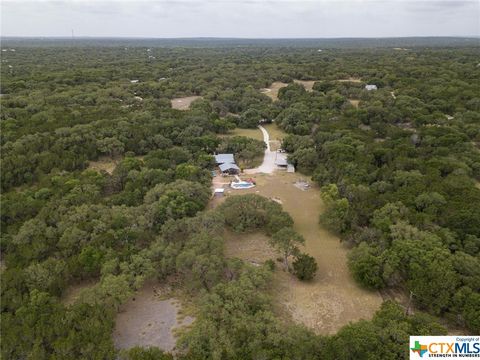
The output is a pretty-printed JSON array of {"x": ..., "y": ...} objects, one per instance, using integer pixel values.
[{"x": 241, "y": 18}]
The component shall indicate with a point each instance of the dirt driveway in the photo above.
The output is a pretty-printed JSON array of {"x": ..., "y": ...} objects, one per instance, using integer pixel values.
[{"x": 268, "y": 165}]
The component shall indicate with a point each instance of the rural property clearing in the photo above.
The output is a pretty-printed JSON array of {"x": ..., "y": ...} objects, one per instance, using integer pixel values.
[
  {"x": 307, "y": 84},
  {"x": 272, "y": 90},
  {"x": 183, "y": 103},
  {"x": 332, "y": 299}
]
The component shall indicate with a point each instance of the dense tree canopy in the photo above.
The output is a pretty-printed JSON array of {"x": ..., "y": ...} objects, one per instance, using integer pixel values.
[{"x": 399, "y": 170}]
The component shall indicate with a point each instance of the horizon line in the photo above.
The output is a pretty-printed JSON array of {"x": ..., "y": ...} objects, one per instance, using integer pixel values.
[{"x": 234, "y": 37}]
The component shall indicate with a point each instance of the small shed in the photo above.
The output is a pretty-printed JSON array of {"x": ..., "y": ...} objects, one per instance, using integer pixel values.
[
  {"x": 370, "y": 87},
  {"x": 134, "y": 81},
  {"x": 224, "y": 159},
  {"x": 229, "y": 168}
]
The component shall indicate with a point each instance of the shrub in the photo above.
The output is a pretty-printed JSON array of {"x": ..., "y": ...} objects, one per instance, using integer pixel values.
[{"x": 305, "y": 267}]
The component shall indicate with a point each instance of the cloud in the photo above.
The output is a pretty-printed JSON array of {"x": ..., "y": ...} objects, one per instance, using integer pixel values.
[
  {"x": 442, "y": 6},
  {"x": 241, "y": 18}
]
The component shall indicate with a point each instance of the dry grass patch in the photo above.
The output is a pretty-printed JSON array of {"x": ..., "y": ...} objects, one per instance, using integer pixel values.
[
  {"x": 276, "y": 135},
  {"x": 108, "y": 164},
  {"x": 350, "y": 79},
  {"x": 354, "y": 102},
  {"x": 250, "y": 133},
  {"x": 274, "y": 131},
  {"x": 272, "y": 90},
  {"x": 252, "y": 248},
  {"x": 275, "y": 145},
  {"x": 183, "y": 103},
  {"x": 104, "y": 163},
  {"x": 307, "y": 84},
  {"x": 332, "y": 299}
]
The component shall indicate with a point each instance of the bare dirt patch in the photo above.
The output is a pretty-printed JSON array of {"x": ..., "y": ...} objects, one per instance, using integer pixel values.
[
  {"x": 150, "y": 318},
  {"x": 104, "y": 163},
  {"x": 332, "y": 299},
  {"x": 350, "y": 79},
  {"x": 307, "y": 84},
  {"x": 354, "y": 102},
  {"x": 74, "y": 291},
  {"x": 272, "y": 90},
  {"x": 183, "y": 103}
]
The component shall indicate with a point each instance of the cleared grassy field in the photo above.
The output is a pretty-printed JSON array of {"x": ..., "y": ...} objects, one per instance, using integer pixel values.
[
  {"x": 251, "y": 133},
  {"x": 332, "y": 299},
  {"x": 183, "y": 103},
  {"x": 272, "y": 90}
]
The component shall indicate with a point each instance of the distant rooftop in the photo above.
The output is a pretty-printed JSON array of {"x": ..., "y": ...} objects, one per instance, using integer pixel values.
[{"x": 371, "y": 87}]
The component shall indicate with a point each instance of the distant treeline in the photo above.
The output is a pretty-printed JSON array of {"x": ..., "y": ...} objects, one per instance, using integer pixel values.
[{"x": 244, "y": 42}]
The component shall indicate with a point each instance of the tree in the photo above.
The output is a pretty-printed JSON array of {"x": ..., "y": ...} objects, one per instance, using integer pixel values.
[
  {"x": 471, "y": 312},
  {"x": 249, "y": 119},
  {"x": 431, "y": 202},
  {"x": 175, "y": 200},
  {"x": 389, "y": 215},
  {"x": 305, "y": 160},
  {"x": 336, "y": 217},
  {"x": 110, "y": 146},
  {"x": 305, "y": 267},
  {"x": 286, "y": 241},
  {"x": 150, "y": 353},
  {"x": 366, "y": 266}
]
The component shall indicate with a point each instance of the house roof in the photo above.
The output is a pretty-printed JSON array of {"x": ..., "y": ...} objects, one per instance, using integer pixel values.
[
  {"x": 224, "y": 158},
  {"x": 371, "y": 87},
  {"x": 228, "y": 166},
  {"x": 281, "y": 162},
  {"x": 281, "y": 159}
]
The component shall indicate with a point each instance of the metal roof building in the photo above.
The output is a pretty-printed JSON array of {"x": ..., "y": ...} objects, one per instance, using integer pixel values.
[
  {"x": 224, "y": 158},
  {"x": 281, "y": 162},
  {"x": 228, "y": 167}
]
